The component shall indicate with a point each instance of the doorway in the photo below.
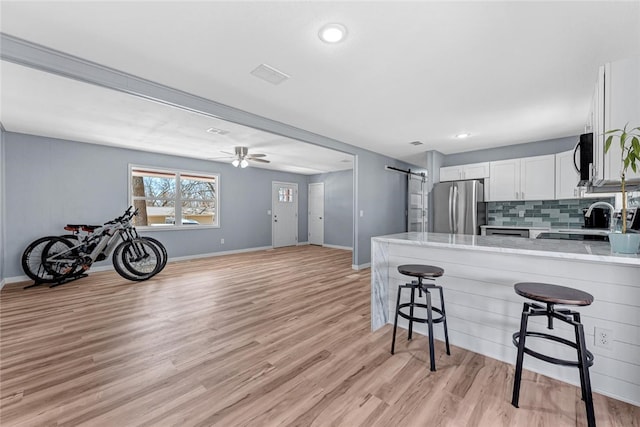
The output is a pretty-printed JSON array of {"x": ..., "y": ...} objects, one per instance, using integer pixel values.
[
  {"x": 316, "y": 213},
  {"x": 284, "y": 205}
]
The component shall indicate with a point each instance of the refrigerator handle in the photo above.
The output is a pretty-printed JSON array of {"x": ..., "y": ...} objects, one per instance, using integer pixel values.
[
  {"x": 450, "y": 208},
  {"x": 454, "y": 213}
]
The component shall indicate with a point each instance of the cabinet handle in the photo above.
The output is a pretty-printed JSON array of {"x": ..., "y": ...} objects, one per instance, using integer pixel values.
[
  {"x": 517, "y": 194},
  {"x": 522, "y": 195}
]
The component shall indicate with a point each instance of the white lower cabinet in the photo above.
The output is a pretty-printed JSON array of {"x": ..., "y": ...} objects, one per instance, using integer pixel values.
[{"x": 529, "y": 178}]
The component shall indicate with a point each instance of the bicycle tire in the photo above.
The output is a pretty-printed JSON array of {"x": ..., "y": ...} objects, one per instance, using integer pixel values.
[
  {"x": 60, "y": 270},
  {"x": 163, "y": 251},
  {"x": 136, "y": 260},
  {"x": 32, "y": 263}
]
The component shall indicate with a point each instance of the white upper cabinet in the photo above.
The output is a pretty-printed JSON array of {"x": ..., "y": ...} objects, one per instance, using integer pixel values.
[
  {"x": 504, "y": 180},
  {"x": 567, "y": 177},
  {"x": 616, "y": 102},
  {"x": 472, "y": 171},
  {"x": 529, "y": 178}
]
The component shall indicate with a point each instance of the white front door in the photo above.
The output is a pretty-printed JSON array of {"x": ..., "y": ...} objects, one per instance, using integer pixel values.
[
  {"x": 316, "y": 213},
  {"x": 284, "y": 202}
]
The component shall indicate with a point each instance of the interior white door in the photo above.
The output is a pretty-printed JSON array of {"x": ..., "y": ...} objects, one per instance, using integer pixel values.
[
  {"x": 316, "y": 213},
  {"x": 284, "y": 203}
]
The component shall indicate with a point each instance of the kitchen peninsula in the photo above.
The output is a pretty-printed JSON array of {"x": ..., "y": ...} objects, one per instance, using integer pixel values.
[{"x": 483, "y": 310}]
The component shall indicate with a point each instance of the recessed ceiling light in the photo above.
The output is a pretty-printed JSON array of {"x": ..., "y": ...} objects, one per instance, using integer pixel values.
[
  {"x": 416, "y": 143},
  {"x": 332, "y": 33},
  {"x": 463, "y": 135}
]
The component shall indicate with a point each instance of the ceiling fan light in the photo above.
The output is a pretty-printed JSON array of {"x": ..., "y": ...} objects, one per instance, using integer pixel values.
[
  {"x": 244, "y": 163},
  {"x": 235, "y": 163}
]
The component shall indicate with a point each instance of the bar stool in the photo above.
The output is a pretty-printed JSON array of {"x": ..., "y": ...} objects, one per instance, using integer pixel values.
[
  {"x": 421, "y": 272},
  {"x": 551, "y": 295}
]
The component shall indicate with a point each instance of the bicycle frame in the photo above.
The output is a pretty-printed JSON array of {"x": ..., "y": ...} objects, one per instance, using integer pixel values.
[{"x": 105, "y": 239}]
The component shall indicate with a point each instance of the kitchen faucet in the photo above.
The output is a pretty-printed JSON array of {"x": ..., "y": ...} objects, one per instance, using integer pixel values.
[{"x": 608, "y": 205}]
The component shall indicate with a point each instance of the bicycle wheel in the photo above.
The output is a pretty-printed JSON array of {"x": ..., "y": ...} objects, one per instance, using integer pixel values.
[
  {"x": 32, "y": 258},
  {"x": 136, "y": 260},
  {"x": 163, "y": 251},
  {"x": 67, "y": 264}
]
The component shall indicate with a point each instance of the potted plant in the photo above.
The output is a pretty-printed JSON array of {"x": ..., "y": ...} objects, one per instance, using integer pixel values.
[{"x": 629, "y": 158}]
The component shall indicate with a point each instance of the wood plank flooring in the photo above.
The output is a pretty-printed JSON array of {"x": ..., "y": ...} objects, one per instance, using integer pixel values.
[{"x": 278, "y": 337}]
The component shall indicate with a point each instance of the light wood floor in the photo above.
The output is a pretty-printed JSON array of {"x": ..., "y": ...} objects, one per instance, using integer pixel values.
[{"x": 259, "y": 339}]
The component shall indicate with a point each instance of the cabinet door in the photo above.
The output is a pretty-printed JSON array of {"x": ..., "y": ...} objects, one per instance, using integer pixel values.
[
  {"x": 504, "y": 180},
  {"x": 567, "y": 177},
  {"x": 450, "y": 173},
  {"x": 622, "y": 106},
  {"x": 537, "y": 178},
  {"x": 475, "y": 171}
]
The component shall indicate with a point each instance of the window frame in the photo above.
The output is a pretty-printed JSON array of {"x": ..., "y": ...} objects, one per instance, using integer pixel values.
[{"x": 178, "y": 196}]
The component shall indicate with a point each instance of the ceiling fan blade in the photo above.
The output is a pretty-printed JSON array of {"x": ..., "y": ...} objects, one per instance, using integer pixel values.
[
  {"x": 226, "y": 152},
  {"x": 258, "y": 160},
  {"x": 257, "y": 155},
  {"x": 221, "y": 158}
]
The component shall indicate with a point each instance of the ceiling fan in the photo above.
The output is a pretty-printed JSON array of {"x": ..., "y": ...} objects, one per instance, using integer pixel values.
[{"x": 242, "y": 157}]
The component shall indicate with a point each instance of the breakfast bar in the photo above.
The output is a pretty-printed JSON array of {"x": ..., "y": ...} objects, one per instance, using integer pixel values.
[{"x": 483, "y": 311}]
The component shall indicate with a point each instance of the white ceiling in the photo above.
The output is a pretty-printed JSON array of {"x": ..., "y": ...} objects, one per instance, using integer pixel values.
[
  {"x": 39, "y": 103},
  {"x": 507, "y": 72}
]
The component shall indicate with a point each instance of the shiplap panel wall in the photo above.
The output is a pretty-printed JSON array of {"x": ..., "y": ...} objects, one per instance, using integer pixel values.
[{"x": 483, "y": 310}]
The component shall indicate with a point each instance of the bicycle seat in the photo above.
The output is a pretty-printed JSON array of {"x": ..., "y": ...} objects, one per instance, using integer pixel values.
[
  {"x": 74, "y": 227},
  {"x": 90, "y": 228}
]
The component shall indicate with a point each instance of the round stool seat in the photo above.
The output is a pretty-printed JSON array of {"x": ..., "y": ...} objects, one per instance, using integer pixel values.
[
  {"x": 421, "y": 270},
  {"x": 552, "y": 294}
]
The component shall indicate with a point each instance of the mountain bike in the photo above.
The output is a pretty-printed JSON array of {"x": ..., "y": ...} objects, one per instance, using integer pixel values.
[{"x": 60, "y": 259}]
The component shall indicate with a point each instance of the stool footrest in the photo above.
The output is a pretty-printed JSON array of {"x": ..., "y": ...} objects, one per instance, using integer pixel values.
[
  {"x": 420, "y": 319},
  {"x": 556, "y": 361}
]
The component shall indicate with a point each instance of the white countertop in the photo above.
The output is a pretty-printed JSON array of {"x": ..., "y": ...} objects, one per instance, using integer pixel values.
[{"x": 567, "y": 249}]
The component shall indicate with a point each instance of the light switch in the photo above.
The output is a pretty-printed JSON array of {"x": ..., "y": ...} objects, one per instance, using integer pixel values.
[
  {"x": 361, "y": 214},
  {"x": 268, "y": 211}
]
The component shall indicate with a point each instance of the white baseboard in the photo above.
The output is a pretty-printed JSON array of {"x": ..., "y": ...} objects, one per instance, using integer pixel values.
[
  {"x": 212, "y": 254},
  {"x": 346, "y": 248},
  {"x": 303, "y": 243},
  {"x": 361, "y": 266},
  {"x": 2, "y": 282}
]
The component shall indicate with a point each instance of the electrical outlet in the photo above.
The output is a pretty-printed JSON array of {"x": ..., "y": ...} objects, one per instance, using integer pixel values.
[
  {"x": 521, "y": 214},
  {"x": 603, "y": 338},
  {"x": 222, "y": 241}
]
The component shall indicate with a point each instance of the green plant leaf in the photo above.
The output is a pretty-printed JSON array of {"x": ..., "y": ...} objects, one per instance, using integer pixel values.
[
  {"x": 607, "y": 144},
  {"x": 613, "y": 131}
]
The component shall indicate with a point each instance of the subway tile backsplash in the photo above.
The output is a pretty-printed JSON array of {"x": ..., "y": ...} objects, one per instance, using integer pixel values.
[{"x": 541, "y": 213}]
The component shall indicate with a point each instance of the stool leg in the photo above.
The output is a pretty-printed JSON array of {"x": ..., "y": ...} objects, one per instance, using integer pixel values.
[
  {"x": 395, "y": 322},
  {"x": 444, "y": 320},
  {"x": 576, "y": 318},
  {"x": 584, "y": 375},
  {"x": 432, "y": 355},
  {"x": 522, "y": 335},
  {"x": 413, "y": 299}
]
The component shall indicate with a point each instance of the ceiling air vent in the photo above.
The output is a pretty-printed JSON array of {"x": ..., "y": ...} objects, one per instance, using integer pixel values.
[
  {"x": 269, "y": 74},
  {"x": 416, "y": 143}
]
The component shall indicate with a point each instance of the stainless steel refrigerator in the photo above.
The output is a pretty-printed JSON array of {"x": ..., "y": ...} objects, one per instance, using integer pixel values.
[{"x": 458, "y": 207}]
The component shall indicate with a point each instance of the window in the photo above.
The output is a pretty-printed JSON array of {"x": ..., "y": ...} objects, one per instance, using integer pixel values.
[{"x": 174, "y": 198}]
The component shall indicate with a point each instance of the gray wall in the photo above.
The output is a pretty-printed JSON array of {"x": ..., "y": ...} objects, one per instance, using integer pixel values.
[
  {"x": 338, "y": 207},
  {"x": 51, "y": 182},
  {"x": 2, "y": 206},
  {"x": 536, "y": 148}
]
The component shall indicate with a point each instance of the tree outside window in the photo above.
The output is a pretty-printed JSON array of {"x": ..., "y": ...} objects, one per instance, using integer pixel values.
[{"x": 172, "y": 198}]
